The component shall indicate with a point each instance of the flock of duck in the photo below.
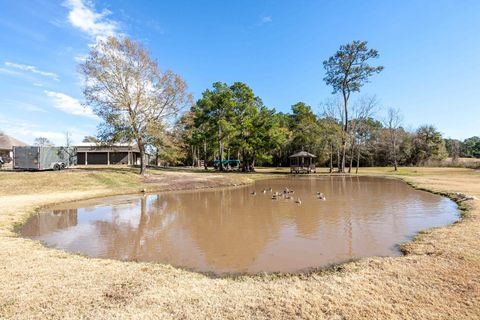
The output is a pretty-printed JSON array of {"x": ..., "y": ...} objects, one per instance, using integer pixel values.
[{"x": 287, "y": 194}]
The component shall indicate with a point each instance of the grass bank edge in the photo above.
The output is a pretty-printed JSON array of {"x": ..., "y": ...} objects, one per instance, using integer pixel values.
[{"x": 464, "y": 204}]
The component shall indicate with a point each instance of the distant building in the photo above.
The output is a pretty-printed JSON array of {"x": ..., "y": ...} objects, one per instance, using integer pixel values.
[
  {"x": 6, "y": 145},
  {"x": 95, "y": 153}
]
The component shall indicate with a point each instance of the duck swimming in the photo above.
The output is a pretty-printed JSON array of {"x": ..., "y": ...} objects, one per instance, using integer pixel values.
[{"x": 321, "y": 196}]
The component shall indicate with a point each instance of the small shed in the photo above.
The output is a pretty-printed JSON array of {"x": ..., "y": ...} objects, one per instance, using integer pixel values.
[{"x": 302, "y": 162}]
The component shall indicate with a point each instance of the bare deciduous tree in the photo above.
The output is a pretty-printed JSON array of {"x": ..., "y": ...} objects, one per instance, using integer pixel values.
[
  {"x": 362, "y": 109},
  {"x": 127, "y": 90},
  {"x": 393, "y": 123},
  {"x": 43, "y": 142},
  {"x": 68, "y": 149},
  {"x": 334, "y": 112},
  {"x": 455, "y": 150}
]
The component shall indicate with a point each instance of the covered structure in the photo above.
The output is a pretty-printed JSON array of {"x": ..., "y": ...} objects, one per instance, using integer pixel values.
[
  {"x": 302, "y": 162},
  {"x": 6, "y": 146},
  {"x": 95, "y": 153},
  {"x": 227, "y": 164}
]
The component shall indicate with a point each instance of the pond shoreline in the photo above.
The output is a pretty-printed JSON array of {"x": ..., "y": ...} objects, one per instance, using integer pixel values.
[
  {"x": 437, "y": 249},
  {"x": 48, "y": 231}
]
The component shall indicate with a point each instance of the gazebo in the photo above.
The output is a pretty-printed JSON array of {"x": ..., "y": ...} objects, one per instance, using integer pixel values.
[{"x": 302, "y": 162}]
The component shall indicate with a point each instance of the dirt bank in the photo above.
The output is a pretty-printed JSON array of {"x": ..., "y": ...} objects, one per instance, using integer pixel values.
[{"x": 437, "y": 279}]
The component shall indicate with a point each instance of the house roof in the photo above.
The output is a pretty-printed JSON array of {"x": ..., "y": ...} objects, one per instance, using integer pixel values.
[
  {"x": 99, "y": 144},
  {"x": 99, "y": 147},
  {"x": 303, "y": 154},
  {"x": 7, "y": 142}
]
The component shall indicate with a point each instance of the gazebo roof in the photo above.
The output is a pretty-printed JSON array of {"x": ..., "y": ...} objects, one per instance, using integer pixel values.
[{"x": 303, "y": 154}]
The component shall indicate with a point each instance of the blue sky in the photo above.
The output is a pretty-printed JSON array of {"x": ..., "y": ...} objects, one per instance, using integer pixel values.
[{"x": 430, "y": 51}]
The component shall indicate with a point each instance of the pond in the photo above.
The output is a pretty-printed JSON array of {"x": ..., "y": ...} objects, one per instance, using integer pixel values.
[{"x": 247, "y": 229}]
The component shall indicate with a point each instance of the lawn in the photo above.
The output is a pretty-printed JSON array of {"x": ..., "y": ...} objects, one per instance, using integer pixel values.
[{"x": 438, "y": 278}]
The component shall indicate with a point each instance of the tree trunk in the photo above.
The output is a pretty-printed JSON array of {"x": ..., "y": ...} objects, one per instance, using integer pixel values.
[
  {"x": 331, "y": 158},
  {"x": 220, "y": 148},
  {"x": 193, "y": 155},
  {"x": 205, "y": 154},
  {"x": 142, "y": 156},
  {"x": 395, "y": 154},
  {"x": 339, "y": 161},
  {"x": 198, "y": 157},
  {"x": 358, "y": 159},
  {"x": 352, "y": 155},
  {"x": 344, "y": 152},
  {"x": 345, "y": 129}
]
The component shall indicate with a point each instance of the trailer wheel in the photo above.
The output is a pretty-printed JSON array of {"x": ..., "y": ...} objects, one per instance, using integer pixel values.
[
  {"x": 62, "y": 166},
  {"x": 56, "y": 167}
]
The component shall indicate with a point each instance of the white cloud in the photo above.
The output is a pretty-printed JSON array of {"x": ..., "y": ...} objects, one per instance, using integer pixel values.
[
  {"x": 27, "y": 131},
  {"x": 82, "y": 15},
  {"x": 33, "y": 108},
  {"x": 266, "y": 19},
  {"x": 32, "y": 69},
  {"x": 11, "y": 72},
  {"x": 69, "y": 104},
  {"x": 14, "y": 104},
  {"x": 80, "y": 58},
  {"x": 50, "y": 135}
]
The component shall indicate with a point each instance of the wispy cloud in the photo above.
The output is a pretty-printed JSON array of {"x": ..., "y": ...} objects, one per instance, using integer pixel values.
[
  {"x": 31, "y": 69},
  {"x": 80, "y": 58},
  {"x": 82, "y": 15},
  {"x": 69, "y": 104},
  {"x": 50, "y": 135},
  {"x": 25, "y": 130},
  {"x": 11, "y": 72},
  {"x": 15, "y": 104},
  {"x": 266, "y": 19}
]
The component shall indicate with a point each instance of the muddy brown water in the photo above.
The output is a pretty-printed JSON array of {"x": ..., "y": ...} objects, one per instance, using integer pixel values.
[{"x": 231, "y": 230}]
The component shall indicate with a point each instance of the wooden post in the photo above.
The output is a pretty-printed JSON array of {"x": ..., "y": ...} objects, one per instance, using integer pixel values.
[
  {"x": 86, "y": 157},
  {"x": 108, "y": 157}
]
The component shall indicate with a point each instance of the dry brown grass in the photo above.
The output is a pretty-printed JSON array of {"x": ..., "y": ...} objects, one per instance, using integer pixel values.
[{"x": 437, "y": 279}]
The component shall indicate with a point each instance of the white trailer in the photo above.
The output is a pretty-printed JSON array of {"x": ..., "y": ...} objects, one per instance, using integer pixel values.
[{"x": 43, "y": 158}]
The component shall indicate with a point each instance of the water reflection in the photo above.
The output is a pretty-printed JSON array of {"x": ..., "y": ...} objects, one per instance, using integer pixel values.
[{"x": 230, "y": 230}]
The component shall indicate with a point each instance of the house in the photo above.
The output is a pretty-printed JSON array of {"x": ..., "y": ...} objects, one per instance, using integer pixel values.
[
  {"x": 6, "y": 146},
  {"x": 96, "y": 153}
]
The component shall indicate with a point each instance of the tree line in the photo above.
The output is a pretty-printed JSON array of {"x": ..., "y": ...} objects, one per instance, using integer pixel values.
[
  {"x": 139, "y": 102},
  {"x": 468, "y": 148},
  {"x": 257, "y": 135}
]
